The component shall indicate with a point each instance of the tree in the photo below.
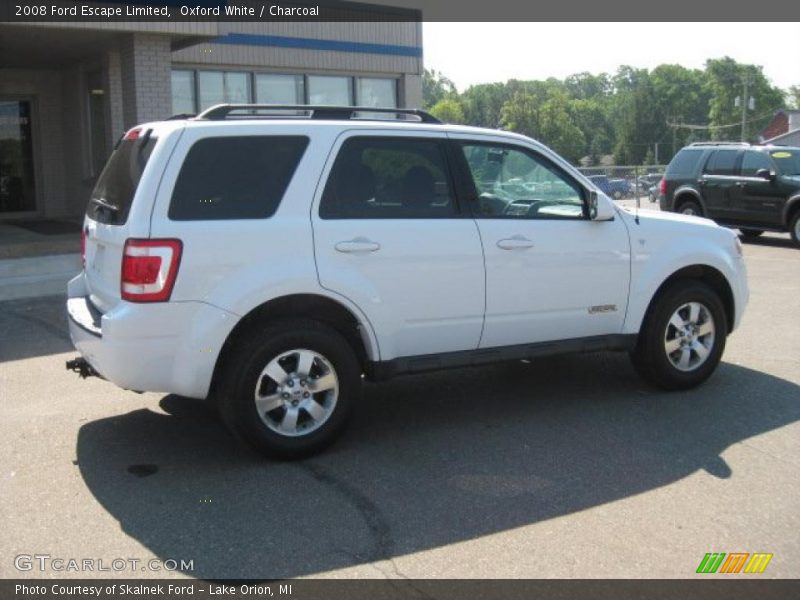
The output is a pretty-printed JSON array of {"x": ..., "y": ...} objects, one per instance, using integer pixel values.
[
  {"x": 725, "y": 81},
  {"x": 435, "y": 87},
  {"x": 548, "y": 121},
  {"x": 448, "y": 110}
]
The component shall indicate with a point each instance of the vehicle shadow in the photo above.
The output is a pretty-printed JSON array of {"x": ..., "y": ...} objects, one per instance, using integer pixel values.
[
  {"x": 770, "y": 241},
  {"x": 429, "y": 461}
]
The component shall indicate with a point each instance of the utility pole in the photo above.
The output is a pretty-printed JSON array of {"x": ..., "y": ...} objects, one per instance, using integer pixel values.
[
  {"x": 744, "y": 109},
  {"x": 656, "y": 153},
  {"x": 746, "y": 103}
]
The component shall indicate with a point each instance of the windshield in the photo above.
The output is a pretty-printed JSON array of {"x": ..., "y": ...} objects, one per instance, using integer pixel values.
[{"x": 788, "y": 161}]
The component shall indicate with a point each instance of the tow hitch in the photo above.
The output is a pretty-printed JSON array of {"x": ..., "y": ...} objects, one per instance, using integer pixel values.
[{"x": 82, "y": 368}]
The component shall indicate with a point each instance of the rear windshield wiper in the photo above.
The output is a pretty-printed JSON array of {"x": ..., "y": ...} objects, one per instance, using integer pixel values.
[{"x": 105, "y": 204}]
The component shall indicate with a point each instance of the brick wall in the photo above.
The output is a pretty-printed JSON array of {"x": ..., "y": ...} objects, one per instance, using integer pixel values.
[
  {"x": 777, "y": 126},
  {"x": 145, "y": 61}
]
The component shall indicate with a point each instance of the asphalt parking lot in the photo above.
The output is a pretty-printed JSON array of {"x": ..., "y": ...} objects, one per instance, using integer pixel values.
[{"x": 564, "y": 467}]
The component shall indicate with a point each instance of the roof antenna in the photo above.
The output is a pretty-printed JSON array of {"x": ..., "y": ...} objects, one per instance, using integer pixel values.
[{"x": 638, "y": 202}]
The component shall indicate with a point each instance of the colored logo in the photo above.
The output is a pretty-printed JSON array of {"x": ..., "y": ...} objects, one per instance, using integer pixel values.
[{"x": 735, "y": 562}]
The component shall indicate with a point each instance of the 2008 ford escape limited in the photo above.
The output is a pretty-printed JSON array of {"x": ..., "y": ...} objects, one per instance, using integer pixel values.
[{"x": 267, "y": 258}]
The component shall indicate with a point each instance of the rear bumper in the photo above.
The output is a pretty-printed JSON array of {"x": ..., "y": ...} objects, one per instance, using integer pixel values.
[{"x": 169, "y": 347}]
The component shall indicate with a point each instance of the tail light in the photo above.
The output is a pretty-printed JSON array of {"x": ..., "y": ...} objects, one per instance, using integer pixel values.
[
  {"x": 662, "y": 186},
  {"x": 83, "y": 247},
  {"x": 149, "y": 269}
]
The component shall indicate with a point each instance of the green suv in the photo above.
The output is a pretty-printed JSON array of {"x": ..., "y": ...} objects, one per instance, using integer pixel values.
[{"x": 752, "y": 188}]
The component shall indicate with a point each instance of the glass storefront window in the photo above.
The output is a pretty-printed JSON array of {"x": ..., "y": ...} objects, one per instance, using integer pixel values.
[
  {"x": 280, "y": 89},
  {"x": 327, "y": 89},
  {"x": 183, "y": 100},
  {"x": 218, "y": 87},
  {"x": 376, "y": 92}
]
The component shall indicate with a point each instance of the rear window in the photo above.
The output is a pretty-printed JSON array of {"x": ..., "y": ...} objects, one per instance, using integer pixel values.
[
  {"x": 684, "y": 163},
  {"x": 113, "y": 193},
  {"x": 241, "y": 177}
]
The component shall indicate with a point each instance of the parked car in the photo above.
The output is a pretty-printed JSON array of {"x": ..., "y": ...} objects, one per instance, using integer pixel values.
[
  {"x": 269, "y": 263},
  {"x": 652, "y": 193},
  {"x": 647, "y": 182},
  {"x": 752, "y": 188},
  {"x": 615, "y": 188}
]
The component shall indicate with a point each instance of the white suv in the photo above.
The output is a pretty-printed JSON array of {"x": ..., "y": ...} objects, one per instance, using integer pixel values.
[{"x": 268, "y": 257}]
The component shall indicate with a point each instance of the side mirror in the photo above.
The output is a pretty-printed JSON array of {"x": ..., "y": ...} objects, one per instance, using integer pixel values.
[
  {"x": 766, "y": 174},
  {"x": 600, "y": 209}
]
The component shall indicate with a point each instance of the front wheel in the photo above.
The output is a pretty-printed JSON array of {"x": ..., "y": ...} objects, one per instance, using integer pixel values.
[
  {"x": 682, "y": 338},
  {"x": 289, "y": 388}
]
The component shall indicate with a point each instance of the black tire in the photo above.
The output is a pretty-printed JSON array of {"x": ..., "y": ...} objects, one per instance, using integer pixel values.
[
  {"x": 794, "y": 228},
  {"x": 650, "y": 356},
  {"x": 243, "y": 371},
  {"x": 750, "y": 234},
  {"x": 690, "y": 207}
]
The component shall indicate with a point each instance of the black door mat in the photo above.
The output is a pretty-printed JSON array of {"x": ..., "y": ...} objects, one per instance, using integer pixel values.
[{"x": 48, "y": 227}]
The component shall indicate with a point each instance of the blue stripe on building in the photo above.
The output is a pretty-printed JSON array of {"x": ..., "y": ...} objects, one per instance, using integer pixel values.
[{"x": 279, "y": 41}]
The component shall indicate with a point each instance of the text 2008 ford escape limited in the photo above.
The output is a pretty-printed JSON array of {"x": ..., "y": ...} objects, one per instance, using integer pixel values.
[{"x": 268, "y": 259}]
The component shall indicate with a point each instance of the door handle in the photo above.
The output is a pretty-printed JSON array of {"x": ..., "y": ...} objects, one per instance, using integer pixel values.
[
  {"x": 517, "y": 242},
  {"x": 740, "y": 183},
  {"x": 358, "y": 245}
]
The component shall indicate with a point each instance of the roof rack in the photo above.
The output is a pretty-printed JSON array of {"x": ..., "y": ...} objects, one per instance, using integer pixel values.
[
  {"x": 719, "y": 144},
  {"x": 255, "y": 111}
]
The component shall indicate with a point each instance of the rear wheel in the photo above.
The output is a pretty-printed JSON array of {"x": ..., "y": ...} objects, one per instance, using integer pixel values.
[
  {"x": 751, "y": 234},
  {"x": 682, "y": 338},
  {"x": 690, "y": 207},
  {"x": 289, "y": 389}
]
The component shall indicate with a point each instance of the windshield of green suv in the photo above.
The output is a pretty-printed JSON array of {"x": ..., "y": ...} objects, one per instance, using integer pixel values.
[{"x": 788, "y": 161}]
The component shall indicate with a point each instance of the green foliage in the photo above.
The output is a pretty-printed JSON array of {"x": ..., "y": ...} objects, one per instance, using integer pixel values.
[
  {"x": 626, "y": 113},
  {"x": 448, "y": 110},
  {"x": 435, "y": 87}
]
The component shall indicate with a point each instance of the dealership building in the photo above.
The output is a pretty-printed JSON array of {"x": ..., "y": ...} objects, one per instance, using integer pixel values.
[{"x": 68, "y": 90}]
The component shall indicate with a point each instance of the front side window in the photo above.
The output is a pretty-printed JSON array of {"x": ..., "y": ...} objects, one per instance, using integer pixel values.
[
  {"x": 515, "y": 183},
  {"x": 235, "y": 177},
  {"x": 752, "y": 162},
  {"x": 389, "y": 178},
  {"x": 722, "y": 162}
]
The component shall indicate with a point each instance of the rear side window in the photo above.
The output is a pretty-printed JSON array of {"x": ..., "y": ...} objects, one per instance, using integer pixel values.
[
  {"x": 722, "y": 162},
  {"x": 684, "y": 163},
  {"x": 241, "y": 177},
  {"x": 113, "y": 193},
  {"x": 389, "y": 178}
]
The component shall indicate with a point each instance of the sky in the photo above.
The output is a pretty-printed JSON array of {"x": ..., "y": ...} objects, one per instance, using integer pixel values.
[{"x": 470, "y": 53}]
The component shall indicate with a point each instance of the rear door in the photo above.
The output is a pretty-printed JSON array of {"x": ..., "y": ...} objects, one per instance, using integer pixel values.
[
  {"x": 390, "y": 235},
  {"x": 718, "y": 181},
  {"x": 119, "y": 208}
]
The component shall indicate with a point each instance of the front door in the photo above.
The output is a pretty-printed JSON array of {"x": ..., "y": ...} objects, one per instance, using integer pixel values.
[
  {"x": 390, "y": 236},
  {"x": 551, "y": 273},
  {"x": 17, "y": 188},
  {"x": 756, "y": 200}
]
